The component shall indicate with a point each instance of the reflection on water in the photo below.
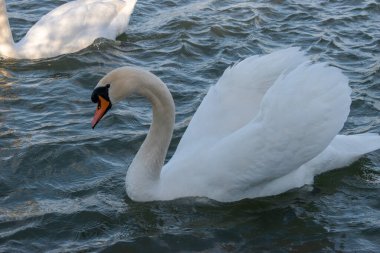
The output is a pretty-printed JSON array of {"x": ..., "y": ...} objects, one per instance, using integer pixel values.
[{"x": 62, "y": 184}]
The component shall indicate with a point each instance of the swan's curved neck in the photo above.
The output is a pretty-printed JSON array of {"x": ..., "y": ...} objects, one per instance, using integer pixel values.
[
  {"x": 144, "y": 173},
  {"x": 7, "y": 45}
]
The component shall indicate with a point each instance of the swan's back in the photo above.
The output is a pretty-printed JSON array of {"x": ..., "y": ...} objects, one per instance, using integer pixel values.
[
  {"x": 295, "y": 111},
  {"x": 74, "y": 26}
]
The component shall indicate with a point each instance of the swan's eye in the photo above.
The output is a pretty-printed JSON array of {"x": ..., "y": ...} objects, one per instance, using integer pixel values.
[{"x": 100, "y": 92}]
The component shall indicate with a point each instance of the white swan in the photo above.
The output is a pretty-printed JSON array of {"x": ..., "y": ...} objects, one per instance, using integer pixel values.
[
  {"x": 66, "y": 29},
  {"x": 270, "y": 124}
]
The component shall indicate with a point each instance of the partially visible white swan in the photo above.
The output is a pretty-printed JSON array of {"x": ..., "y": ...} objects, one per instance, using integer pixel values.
[
  {"x": 66, "y": 29},
  {"x": 269, "y": 124}
]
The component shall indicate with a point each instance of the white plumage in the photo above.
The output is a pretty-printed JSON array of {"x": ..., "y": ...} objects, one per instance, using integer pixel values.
[
  {"x": 67, "y": 29},
  {"x": 269, "y": 124}
]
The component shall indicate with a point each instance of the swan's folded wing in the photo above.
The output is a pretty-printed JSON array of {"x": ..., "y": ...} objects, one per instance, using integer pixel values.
[
  {"x": 235, "y": 99},
  {"x": 299, "y": 116}
]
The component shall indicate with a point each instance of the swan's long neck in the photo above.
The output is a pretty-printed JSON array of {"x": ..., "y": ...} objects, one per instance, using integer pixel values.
[
  {"x": 144, "y": 173},
  {"x": 7, "y": 45}
]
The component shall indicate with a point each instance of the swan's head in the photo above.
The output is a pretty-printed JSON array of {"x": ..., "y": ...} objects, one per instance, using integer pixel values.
[
  {"x": 117, "y": 85},
  {"x": 100, "y": 95}
]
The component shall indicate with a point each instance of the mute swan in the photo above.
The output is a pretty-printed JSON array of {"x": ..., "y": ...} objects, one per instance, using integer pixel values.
[
  {"x": 66, "y": 29},
  {"x": 269, "y": 124}
]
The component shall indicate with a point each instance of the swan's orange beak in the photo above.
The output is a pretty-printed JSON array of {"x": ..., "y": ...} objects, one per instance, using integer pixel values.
[{"x": 103, "y": 106}]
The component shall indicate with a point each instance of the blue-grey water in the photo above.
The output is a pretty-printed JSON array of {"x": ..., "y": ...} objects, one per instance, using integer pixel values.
[{"x": 62, "y": 183}]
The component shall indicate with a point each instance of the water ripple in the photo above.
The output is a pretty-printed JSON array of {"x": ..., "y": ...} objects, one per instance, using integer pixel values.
[{"x": 62, "y": 184}]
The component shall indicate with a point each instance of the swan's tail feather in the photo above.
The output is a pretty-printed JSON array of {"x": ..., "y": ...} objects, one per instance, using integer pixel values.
[
  {"x": 344, "y": 150},
  {"x": 130, "y": 5},
  {"x": 358, "y": 144},
  {"x": 122, "y": 20}
]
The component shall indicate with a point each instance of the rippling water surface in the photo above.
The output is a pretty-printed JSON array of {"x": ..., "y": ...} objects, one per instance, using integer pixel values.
[{"x": 62, "y": 183}]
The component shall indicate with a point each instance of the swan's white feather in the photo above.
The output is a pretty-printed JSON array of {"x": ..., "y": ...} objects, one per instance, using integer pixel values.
[
  {"x": 74, "y": 26},
  {"x": 236, "y": 98},
  {"x": 342, "y": 151},
  {"x": 269, "y": 124},
  {"x": 282, "y": 143}
]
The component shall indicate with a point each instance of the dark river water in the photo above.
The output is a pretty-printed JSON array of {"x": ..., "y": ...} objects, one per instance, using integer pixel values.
[{"x": 62, "y": 183}]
